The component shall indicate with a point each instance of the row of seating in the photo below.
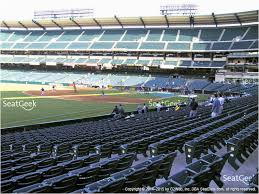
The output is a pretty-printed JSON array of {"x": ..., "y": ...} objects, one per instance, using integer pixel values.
[
  {"x": 178, "y": 137},
  {"x": 228, "y": 33},
  {"x": 195, "y": 176},
  {"x": 60, "y": 143},
  {"x": 217, "y": 136},
  {"x": 65, "y": 160},
  {"x": 63, "y": 172},
  {"x": 140, "y": 175},
  {"x": 242, "y": 145}
]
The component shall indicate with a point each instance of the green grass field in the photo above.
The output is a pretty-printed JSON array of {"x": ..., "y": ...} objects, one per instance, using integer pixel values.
[{"x": 51, "y": 109}]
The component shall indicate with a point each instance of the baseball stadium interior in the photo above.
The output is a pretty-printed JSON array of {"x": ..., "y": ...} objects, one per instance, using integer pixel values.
[{"x": 154, "y": 151}]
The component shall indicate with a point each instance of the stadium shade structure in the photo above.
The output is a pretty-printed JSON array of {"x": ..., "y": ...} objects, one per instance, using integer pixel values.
[{"x": 169, "y": 21}]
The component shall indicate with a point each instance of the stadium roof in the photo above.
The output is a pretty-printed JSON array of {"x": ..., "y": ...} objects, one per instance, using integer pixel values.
[{"x": 169, "y": 21}]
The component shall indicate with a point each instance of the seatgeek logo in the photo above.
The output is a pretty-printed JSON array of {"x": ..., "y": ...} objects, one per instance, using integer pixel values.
[
  {"x": 25, "y": 105},
  {"x": 237, "y": 178}
]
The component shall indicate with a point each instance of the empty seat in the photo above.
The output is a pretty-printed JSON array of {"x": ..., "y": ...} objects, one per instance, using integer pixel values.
[
  {"x": 40, "y": 156},
  {"x": 125, "y": 162},
  {"x": 81, "y": 149},
  {"x": 35, "y": 188},
  {"x": 166, "y": 165},
  {"x": 104, "y": 150},
  {"x": 183, "y": 179},
  {"x": 25, "y": 169},
  {"x": 7, "y": 186},
  {"x": 86, "y": 175},
  {"x": 64, "y": 158},
  {"x": 45, "y": 147},
  {"x": 61, "y": 148},
  {"x": 7, "y": 174},
  {"x": 62, "y": 184},
  {"x": 44, "y": 163},
  {"x": 51, "y": 171},
  {"x": 107, "y": 168},
  {"x": 27, "y": 179},
  {"x": 72, "y": 165},
  {"x": 92, "y": 158}
]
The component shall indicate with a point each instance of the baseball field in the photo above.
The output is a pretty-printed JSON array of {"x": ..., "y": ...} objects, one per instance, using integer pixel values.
[{"x": 23, "y": 104}]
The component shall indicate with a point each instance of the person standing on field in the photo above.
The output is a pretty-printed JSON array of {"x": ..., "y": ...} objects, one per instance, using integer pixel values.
[{"x": 74, "y": 86}]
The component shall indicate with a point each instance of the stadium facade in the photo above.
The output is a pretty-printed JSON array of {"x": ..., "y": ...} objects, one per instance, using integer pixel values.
[{"x": 223, "y": 47}]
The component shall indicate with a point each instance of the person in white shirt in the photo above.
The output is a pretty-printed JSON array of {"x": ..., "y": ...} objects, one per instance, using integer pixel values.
[
  {"x": 139, "y": 109},
  {"x": 221, "y": 100},
  {"x": 158, "y": 107},
  {"x": 145, "y": 108}
]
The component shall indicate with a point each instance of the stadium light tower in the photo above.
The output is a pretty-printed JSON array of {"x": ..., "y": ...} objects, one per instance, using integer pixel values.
[
  {"x": 179, "y": 9},
  {"x": 64, "y": 13}
]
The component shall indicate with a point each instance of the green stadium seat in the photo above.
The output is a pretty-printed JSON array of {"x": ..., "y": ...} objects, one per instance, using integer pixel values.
[
  {"x": 20, "y": 45},
  {"x": 221, "y": 46},
  {"x": 178, "y": 46},
  {"x": 117, "y": 61},
  {"x": 90, "y": 35},
  {"x": 102, "y": 45},
  {"x": 127, "y": 45},
  {"x": 142, "y": 62},
  {"x": 134, "y": 34},
  {"x": 6, "y": 45},
  {"x": 170, "y": 35},
  {"x": 186, "y": 63},
  {"x": 69, "y": 35},
  {"x": 201, "y": 46},
  {"x": 157, "y": 62},
  {"x": 37, "y": 45},
  {"x": 78, "y": 46},
  {"x": 18, "y": 35},
  {"x": 172, "y": 63},
  {"x": 252, "y": 34},
  {"x": 111, "y": 35},
  {"x": 5, "y": 59},
  {"x": 210, "y": 34},
  {"x": 50, "y": 35},
  {"x": 104, "y": 60},
  {"x": 81, "y": 60},
  {"x": 231, "y": 33},
  {"x": 254, "y": 45},
  {"x": 129, "y": 61},
  {"x": 188, "y": 34},
  {"x": 4, "y": 35},
  {"x": 39, "y": 59},
  {"x": 241, "y": 45},
  {"x": 34, "y": 35},
  {"x": 152, "y": 46},
  {"x": 154, "y": 35},
  {"x": 92, "y": 61},
  {"x": 57, "y": 45}
]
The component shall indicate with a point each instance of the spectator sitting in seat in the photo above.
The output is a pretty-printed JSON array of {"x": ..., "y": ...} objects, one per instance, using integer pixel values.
[
  {"x": 121, "y": 111},
  {"x": 115, "y": 112}
]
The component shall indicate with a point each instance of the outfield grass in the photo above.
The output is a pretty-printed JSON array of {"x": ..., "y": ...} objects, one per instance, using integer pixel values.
[{"x": 51, "y": 109}]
